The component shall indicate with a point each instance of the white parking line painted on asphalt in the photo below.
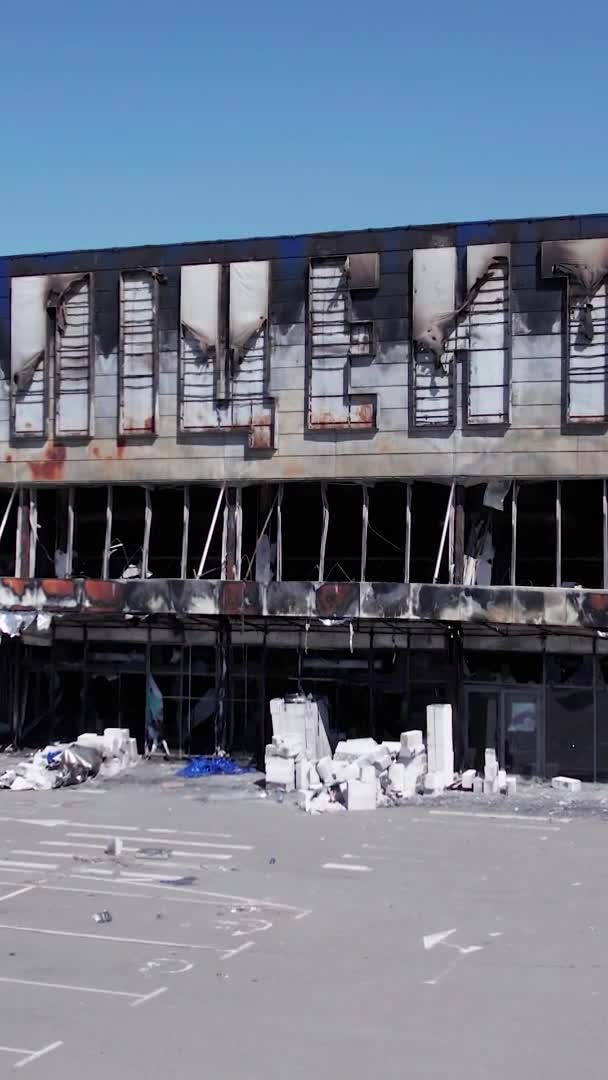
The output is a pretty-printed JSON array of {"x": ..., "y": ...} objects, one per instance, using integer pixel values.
[
  {"x": 14, "y": 864},
  {"x": 34, "y": 1055},
  {"x": 148, "y": 997},
  {"x": 221, "y": 856},
  {"x": 298, "y": 913},
  {"x": 521, "y": 818},
  {"x": 106, "y": 937},
  {"x": 345, "y": 866},
  {"x": 30, "y": 1055},
  {"x": 154, "y": 840},
  {"x": 191, "y": 832},
  {"x": 17, "y": 892},
  {"x": 66, "y": 986},
  {"x": 234, "y": 952}
]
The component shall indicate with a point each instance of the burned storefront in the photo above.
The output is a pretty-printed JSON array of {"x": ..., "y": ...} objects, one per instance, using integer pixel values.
[{"x": 370, "y": 467}]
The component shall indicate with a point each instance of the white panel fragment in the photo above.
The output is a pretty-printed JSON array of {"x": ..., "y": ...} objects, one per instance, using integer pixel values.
[{"x": 248, "y": 301}]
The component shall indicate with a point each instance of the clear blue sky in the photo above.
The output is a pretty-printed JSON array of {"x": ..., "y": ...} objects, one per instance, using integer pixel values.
[{"x": 127, "y": 122}]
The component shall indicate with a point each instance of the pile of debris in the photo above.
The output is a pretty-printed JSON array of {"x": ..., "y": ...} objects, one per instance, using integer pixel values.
[
  {"x": 62, "y": 765},
  {"x": 363, "y": 774}
]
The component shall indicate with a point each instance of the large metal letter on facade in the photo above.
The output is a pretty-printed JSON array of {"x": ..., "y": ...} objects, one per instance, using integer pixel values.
[
  {"x": 453, "y": 319},
  {"x": 51, "y": 315},
  {"x": 334, "y": 338},
  {"x": 224, "y": 351},
  {"x": 584, "y": 266}
]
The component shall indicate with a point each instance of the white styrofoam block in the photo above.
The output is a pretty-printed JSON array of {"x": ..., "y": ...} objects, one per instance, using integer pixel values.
[
  {"x": 490, "y": 755},
  {"x": 380, "y": 759},
  {"x": 367, "y": 773},
  {"x": 281, "y": 771},
  {"x": 360, "y": 795},
  {"x": 270, "y": 750},
  {"x": 433, "y": 782},
  {"x": 440, "y": 747},
  {"x": 502, "y": 779},
  {"x": 511, "y": 785},
  {"x": 95, "y": 742},
  {"x": 468, "y": 777},
  {"x": 397, "y": 777},
  {"x": 490, "y": 772},
  {"x": 305, "y": 800},
  {"x": 133, "y": 751},
  {"x": 302, "y": 775},
  {"x": 351, "y": 749},
  {"x": 411, "y": 740},
  {"x": 314, "y": 780},
  {"x": 566, "y": 783},
  {"x": 393, "y": 748},
  {"x": 303, "y": 717},
  {"x": 490, "y": 787},
  {"x": 478, "y": 785},
  {"x": 325, "y": 768}
]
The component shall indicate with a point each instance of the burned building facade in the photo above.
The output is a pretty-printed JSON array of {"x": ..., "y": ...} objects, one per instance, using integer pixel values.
[{"x": 370, "y": 465}]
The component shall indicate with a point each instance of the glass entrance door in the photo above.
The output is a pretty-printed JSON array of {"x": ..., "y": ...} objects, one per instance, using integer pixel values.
[{"x": 509, "y": 721}]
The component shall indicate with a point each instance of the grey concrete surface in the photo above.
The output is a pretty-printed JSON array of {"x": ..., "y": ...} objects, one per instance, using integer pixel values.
[{"x": 309, "y": 948}]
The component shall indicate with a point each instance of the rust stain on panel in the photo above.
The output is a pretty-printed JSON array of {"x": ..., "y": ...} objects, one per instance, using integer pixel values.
[{"x": 49, "y": 469}]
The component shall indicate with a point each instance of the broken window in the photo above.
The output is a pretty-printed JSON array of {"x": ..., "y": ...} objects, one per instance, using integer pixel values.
[
  {"x": 166, "y": 532},
  {"x": 138, "y": 372},
  {"x": 204, "y": 527},
  {"x": 74, "y": 360},
  {"x": 584, "y": 264},
  {"x": 8, "y": 528},
  {"x": 302, "y": 526},
  {"x": 334, "y": 336},
  {"x": 433, "y": 346},
  {"x": 536, "y": 540},
  {"x": 29, "y": 341},
  {"x": 429, "y": 507},
  {"x": 344, "y": 534},
  {"x": 128, "y": 528},
  {"x": 386, "y": 532},
  {"x": 90, "y": 506},
  {"x": 224, "y": 351},
  {"x": 582, "y": 561},
  {"x": 487, "y": 330}
]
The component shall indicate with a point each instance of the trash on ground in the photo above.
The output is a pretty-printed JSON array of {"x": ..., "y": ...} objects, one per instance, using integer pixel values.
[
  {"x": 153, "y": 853},
  {"x": 114, "y": 846},
  {"x": 64, "y": 765},
  {"x": 102, "y": 916},
  {"x": 189, "y": 880},
  {"x": 212, "y": 765}
]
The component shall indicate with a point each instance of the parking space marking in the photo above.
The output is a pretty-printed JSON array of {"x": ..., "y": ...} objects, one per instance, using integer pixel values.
[
  {"x": 148, "y": 997},
  {"x": 345, "y": 866},
  {"x": 154, "y": 840},
  {"x": 191, "y": 832},
  {"x": 521, "y": 818},
  {"x": 137, "y": 998},
  {"x": 14, "y": 864},
  {"x": 234, "y": 952},
  {"x": 17, "y": 892},
  {"x": 30, "y": 1055},
  {"x": 34, "y": 1055},
  {"x": 107, "y": 937},
  {"x": 131, "y": 850}
]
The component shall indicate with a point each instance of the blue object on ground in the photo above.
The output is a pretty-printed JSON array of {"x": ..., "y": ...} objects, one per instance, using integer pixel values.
[{"x": 210, "y": 765}]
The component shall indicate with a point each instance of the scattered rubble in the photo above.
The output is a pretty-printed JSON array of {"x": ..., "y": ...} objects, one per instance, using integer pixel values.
[
  {"x": 62, "y": 765},
  {"x": 102, "y": 917},
  {"x": 363, "y": 774}
]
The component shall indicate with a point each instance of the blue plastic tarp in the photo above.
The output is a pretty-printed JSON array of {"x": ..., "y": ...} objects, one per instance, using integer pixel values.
[{"x": 210, "y": 765}]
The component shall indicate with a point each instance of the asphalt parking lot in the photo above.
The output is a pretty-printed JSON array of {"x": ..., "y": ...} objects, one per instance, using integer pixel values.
[{"x": 249, "y": 939}]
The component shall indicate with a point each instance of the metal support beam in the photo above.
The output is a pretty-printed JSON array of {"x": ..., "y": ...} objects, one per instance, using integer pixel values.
[
  {"x": 324, "y": 531},
  {"x": 280, "y": 533},
  {"x": 604, "y": 531},
  {"x": 459, "y": 528},
  {"x": 446, "y": 522},
  {"x": 105, "y": 568},
  {"x": 514, "y": 532},
  {"x": 185, "y": 527},
  {"x": 69, "y": 554},
  {"x": 145, "y": 551},
  {"x": 7, "y": 511},
  {"x": 364, "y": 524},
  {"x": 201, "y": 566},
  {"x": 558, "y": 533},
  {"x": 31, "y": 568},
  {"x": 408, "y": 533}
]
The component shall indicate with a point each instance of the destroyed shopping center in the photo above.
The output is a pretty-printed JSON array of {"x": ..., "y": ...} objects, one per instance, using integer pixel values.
[{"x": 369, "y": 467}]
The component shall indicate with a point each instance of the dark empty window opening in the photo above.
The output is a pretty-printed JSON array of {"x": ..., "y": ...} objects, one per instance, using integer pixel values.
[
  {"x": 302, "y": 526},
  {"x": 429, "y": 506},
  {"x": 203, "y": 502},
  {"x": 166, "y": 532},
  {"x": 9, "y": 502},
  {"x": 582, "y": 533},
  {"x": 386, "y": 532},
  {"x": 128, "y": 515},
  {"x": 90, "y": 504},
  {"x": 343, "y": 548},
  {"x": 536, "y": 534}
]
